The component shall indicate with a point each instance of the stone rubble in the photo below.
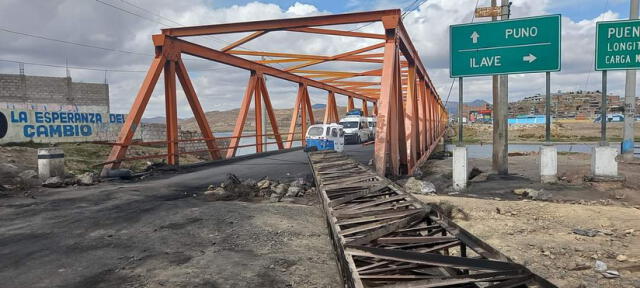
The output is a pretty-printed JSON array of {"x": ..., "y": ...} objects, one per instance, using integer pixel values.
[
  {"x": 416, "y": 186},
  {"x": 247, "y": 189}
]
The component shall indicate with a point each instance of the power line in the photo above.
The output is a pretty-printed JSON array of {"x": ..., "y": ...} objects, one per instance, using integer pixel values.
[
  {"x": 132, "y": 13},
  {"x": 473, "y": 17},
  {"x": 83, "y": 44},
  {"x": 150, "y": 12},
  {"x": 402, "y": 16},
  {"x": 175, "y": 22},
  {"x": 73, "y": 43},
  {"x": 73, "y": 67},
  {"x": 406, "y": 12},
  {"x": 96, "y": 68}
]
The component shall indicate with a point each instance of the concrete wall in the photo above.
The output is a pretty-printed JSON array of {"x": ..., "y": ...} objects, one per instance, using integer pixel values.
[
  {"x": 52, "y": 94},
  {"x": 58, "y": 126}
]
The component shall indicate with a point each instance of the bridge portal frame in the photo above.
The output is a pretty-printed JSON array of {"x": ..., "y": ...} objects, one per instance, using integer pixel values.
[{"x": 411, "y": 118}]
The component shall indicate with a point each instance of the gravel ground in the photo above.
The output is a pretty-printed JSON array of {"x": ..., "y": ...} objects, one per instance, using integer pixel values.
[
  {"x": 540, "y": 236},
  {"x": 151, "y": 234}
]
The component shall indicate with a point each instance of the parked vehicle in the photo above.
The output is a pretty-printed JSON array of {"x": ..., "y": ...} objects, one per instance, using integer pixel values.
[
  {"x": 355, "y": 112},
  {"x": 356, "y": 129},
  {"x": 324, "y": 137},
  {"x": 372, "y": 121},
  {"x": 610, "y": 118}
]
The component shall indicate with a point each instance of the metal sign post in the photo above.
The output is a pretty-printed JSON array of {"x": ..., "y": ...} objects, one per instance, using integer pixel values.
[
  {"x": 460, "y": 109},
  {"x": 547, "y": 106},
  {"x": 603, "y": 111}
]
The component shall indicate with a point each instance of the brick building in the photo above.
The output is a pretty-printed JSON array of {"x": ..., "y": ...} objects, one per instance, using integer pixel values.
[
  {"x": 52, "y": 93},
  {"x": 578, "y": 105},
  {"x": 478, "y": 113}
]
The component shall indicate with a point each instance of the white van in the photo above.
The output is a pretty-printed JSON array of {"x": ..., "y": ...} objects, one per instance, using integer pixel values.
[
  {"x": 372, "y": 121},
  {"x": 356, "y": 129},
  {"x": 324, "y": 137}
]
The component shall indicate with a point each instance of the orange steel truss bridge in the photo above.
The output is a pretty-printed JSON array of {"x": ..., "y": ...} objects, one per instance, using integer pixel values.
[{"x": 411, "y": 118}]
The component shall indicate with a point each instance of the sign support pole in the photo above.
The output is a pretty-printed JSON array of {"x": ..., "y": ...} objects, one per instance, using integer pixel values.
[
  {"x": 460, "y": 111},
  {"x": 496, "y": 104},
  {"x": 501, "y": 130},
  {"x": 547, "y": 106},
  {"x": 603, "y": 111},
  {"x": 628, "y": 144}
]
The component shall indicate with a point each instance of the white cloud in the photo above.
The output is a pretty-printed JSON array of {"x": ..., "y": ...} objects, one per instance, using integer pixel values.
[
  {"x": 91, "y": 22},
  {"x": 299, "y": 9}
]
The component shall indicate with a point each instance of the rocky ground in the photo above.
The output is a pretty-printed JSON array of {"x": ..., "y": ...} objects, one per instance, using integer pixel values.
[
  {"x": 560, "y": 230},
  {"x": 543, "y": 236},
  {"x": 19, "y": 165},
  {"x": 298, "y": 191}
]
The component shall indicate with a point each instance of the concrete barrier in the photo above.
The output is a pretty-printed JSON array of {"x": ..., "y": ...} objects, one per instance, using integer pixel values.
[
  {"x": 603, "y": 161},
  {"x": 548, "y": 164},
  {"x": 460, "y": 168},
  {"x": 50, "y": 163}
]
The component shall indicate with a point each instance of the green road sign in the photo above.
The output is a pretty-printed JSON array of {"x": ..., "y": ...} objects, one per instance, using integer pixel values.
[
  {"x": 618, "y": 45},
  {"x": 524, "y": 45}
]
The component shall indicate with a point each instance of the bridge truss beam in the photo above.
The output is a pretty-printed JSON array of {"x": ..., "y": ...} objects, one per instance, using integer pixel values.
[{"x": 411, "y": 117}]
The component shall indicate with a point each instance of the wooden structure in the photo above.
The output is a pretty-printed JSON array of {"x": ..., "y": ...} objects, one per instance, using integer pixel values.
[
  {"x": 411, "y": 117},
  {"x": 385, "y": 237}
]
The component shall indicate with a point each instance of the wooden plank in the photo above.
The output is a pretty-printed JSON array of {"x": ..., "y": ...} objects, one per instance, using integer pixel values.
[
  {"x": 378, "y": 217},
  {"x": 416, "y": 239},
  {"x": 386, "y": 229},
  {"x": 383, "y": 239}
]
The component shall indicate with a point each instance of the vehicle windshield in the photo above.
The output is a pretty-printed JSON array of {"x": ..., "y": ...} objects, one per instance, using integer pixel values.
[
  {"x": 315, "y": 131},
  {"x": 350, "y": 124}
]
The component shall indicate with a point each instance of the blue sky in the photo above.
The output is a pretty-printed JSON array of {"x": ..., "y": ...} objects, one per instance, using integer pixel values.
[{"x": 588, "y": 9}]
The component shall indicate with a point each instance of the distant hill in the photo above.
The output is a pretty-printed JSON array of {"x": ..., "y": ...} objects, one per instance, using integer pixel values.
[
  {"x": 154, "y": 120},
  {"x": 223, "y": 121},
  {"x": 452, "y": 106},
  {"x": 318, "y": 106}
]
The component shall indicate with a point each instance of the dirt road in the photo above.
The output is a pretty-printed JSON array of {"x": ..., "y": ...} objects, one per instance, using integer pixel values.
[{"x": 156, "y": 233}]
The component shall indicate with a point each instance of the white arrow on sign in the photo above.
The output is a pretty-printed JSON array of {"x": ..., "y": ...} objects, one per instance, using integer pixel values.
[
  {"x": 529, "y": 58},
  {"x": 474, "y": 37}
]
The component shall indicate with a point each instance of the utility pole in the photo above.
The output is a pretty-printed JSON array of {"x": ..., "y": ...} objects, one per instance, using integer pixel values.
[
  {"x": 500, "y": 161},
  {"x": 629, "y": 101}
]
